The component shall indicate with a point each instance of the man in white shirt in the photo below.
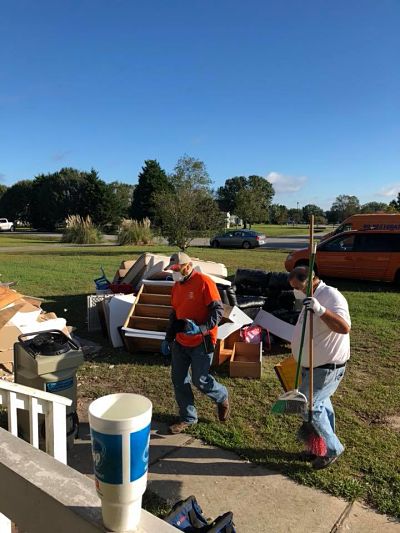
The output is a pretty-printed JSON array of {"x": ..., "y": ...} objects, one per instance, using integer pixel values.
[{"x": 331, "y": 338}]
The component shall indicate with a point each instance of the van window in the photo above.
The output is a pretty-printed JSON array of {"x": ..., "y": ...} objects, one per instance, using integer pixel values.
[
  {"x": 340, "y": 244},
  {"x": 375, "y": 242},
  {"x": 342, "y": 228}
]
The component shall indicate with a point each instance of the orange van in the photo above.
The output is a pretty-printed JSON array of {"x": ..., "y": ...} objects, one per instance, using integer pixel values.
[
  {"x": 378, "y": 221},
  {"x": 363, "y": 254}
]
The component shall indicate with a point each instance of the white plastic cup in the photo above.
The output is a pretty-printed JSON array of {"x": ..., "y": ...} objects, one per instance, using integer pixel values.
[{"x": 120, "y": 431}]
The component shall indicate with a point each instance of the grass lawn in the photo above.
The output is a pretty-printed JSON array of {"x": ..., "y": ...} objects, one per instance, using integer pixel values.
[
  {"x": 13, "y": 239},
  {"x": 272, "y": 230},
  {"x": 367, "y": 402}
]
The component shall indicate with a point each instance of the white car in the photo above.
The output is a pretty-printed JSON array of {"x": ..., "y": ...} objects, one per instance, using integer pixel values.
[{"x": 6, "y": 225}]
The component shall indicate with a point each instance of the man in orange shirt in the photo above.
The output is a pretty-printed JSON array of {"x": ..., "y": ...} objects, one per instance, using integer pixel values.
[{"x": 191, "y": 337}]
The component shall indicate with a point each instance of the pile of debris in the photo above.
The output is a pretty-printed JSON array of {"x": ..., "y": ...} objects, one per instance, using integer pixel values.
[{"x": 19, "y": 315}]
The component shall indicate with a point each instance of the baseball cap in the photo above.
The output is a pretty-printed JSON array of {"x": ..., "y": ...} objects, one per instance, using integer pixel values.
[{"x": 180, "y": 258}]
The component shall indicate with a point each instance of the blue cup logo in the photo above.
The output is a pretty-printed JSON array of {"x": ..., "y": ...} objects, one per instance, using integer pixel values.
[
  {"x": 108, "y": 456},
  {"x": 140, "y": 444}
]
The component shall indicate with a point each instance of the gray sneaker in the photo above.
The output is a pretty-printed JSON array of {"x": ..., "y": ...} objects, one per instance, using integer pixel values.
[{"x": 323, "y": 462}]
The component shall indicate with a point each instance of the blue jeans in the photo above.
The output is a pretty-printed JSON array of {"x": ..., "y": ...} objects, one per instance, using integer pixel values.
[
  {"x": 200, "y": 361},
  {"x": 325, "y": 384}
]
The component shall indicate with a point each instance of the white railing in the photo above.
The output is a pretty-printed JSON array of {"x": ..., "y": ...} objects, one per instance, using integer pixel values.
[{"x": 14, "y": 396}]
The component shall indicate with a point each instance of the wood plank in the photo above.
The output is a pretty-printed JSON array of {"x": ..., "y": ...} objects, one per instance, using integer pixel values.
[
  {"x": 137, "y": 345},
  {"x": 149, "y": 288},
  {"x": 155, "y": 311},
  {"x": 132, "y": 309},
  {"x": 152, "y": 324},
  {"x": 154, "y": 299}
]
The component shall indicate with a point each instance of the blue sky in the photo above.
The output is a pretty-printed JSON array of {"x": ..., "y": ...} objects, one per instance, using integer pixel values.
[{"x": 306, "y": 93}]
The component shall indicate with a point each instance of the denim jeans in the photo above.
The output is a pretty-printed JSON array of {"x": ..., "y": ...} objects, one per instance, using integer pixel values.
[
  {"x": 325, "y": 384},
  {"x": 200, "y": 361}
]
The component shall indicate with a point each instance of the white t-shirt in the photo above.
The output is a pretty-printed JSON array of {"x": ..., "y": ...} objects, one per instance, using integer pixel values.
[{"x": 328, "y": 346}]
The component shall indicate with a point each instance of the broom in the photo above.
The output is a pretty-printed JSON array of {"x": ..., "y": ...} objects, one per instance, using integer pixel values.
[
  {"x": 295, "y": 402},
  {"x": 315, "y": 443}
]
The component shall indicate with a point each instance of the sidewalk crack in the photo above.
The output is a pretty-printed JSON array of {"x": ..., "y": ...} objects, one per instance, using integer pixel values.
[{"x": 342, "y": 518}]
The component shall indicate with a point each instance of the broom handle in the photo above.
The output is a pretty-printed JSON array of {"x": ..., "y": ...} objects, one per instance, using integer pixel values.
[
  {"x": 303, "y": 329},
  {"x": 311, "y": 326}
]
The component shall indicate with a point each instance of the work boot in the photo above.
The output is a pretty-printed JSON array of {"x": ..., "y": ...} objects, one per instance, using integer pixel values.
[
  {"x": 323, "y": 462},
  {"x": 223, "y": 410},
  {"x": 179, "y": 427}
]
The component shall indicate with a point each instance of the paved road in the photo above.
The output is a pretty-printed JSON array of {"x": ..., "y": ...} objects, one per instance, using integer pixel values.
[{"x": 273, "y": 243}]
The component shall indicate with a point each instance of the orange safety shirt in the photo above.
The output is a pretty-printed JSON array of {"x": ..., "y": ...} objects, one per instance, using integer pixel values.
[{"x": 191, "y": 299}]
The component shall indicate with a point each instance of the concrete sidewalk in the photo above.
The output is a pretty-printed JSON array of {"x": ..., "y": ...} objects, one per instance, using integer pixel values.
[{"x": 262, "y": 501}]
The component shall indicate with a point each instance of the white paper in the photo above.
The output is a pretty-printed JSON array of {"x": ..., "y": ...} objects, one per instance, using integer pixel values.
[
  {"x": 275, "y": 325},
  {"x": 227, "y": 329}
]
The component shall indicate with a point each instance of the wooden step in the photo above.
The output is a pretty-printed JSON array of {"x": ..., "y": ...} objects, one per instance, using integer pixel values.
[
  {"x": 155, "y": 311},
  {"x": 149, "y": 323},
  {"x": 154, "y": 299},
  {"x": 149, "y": 288}
]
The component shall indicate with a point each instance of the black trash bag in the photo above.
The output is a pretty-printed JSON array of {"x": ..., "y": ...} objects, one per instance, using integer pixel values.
[
  {"x": 279, "y": 281},
  {"x": 223, "y": 294},
  {"x": 251, "y": 281},
  {"x": 286, "y": 300}
]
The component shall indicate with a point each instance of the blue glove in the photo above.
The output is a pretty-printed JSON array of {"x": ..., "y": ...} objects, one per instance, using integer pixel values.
[
  {"x": 192, "y": 328},
  {"x": 165, "y": 348}
]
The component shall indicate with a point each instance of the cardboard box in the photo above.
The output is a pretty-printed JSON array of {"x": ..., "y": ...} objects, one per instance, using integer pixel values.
[
  {"x": 246, "y": 360},
  {"x": 228, "y": 333}
]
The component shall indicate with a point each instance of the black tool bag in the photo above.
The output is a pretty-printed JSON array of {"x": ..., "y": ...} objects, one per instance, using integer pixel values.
[{"x": 186, "y": 515}]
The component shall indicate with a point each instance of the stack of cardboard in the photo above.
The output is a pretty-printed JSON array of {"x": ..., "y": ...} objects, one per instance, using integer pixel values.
[
  {"x": 151, "y": 266},
  {"x": 21, "y": 315}
]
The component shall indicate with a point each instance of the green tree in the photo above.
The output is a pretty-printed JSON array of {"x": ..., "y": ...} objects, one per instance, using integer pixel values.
[
  {"x": 278, "y": 214},
  {"x": 187, "y": 208},
  {"x": 123, "y": 194},
  {"x": 227, "y": 194},
  {"x": 295, "y": 216},
  {"x": 248, "y": 198},
  {"x": 373, "y": 207},
  {"x": 3, "y": 189},
  {"x": 311, "y": 209},
  {"x": 15, "y": 202},
  {"x": 152, "y": 179},
  {"x": 70, "y": 192},
  {"x": 345, "y": 206},
  {"x": 395, "y": 204}
]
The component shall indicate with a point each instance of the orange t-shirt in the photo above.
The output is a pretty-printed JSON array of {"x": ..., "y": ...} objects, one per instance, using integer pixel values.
[{"x": 191, "y": 299}]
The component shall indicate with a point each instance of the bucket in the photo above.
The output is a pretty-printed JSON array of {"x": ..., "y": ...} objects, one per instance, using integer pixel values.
[{"x": 120, "y": 433}]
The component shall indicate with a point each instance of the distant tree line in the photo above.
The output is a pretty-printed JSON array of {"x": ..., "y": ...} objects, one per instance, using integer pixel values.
[{"x": 181, "y": 204}]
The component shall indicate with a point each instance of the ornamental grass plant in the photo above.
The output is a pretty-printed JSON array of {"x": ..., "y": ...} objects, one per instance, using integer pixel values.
[
  {"x": 79, "y": 230},
  {"x": 135, "y": 232}
]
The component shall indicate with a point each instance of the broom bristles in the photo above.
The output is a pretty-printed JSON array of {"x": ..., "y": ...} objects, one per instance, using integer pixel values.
[
  {"x": 289, "y": 407},
  {"x": 317, "y": 445}
]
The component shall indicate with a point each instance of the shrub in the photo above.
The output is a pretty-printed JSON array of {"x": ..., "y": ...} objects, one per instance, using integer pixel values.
[
  {"x": 81, "y": 230},
  {"x": 135, "y": 232}
]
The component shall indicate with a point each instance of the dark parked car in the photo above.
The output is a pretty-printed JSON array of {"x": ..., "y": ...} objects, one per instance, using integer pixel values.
[{"x": 243, "y": 238}]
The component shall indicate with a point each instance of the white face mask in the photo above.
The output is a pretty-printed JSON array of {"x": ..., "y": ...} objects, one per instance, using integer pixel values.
[
  {"x": 299, "y": 295},
  {"x": 177, "y": 276}
]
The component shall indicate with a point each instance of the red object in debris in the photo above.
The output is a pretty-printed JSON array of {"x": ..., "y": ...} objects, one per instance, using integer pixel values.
[{"x": 124, "y": 288}]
